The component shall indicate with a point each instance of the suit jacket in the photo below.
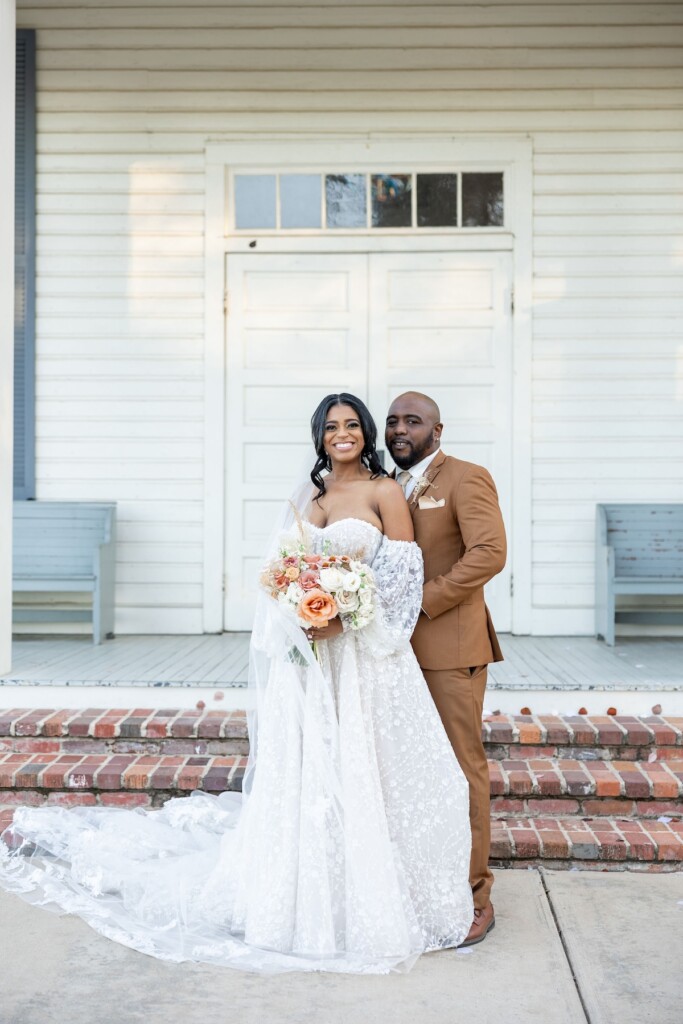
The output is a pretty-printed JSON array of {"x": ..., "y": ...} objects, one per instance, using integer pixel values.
[{"x": 462, "y": 538}]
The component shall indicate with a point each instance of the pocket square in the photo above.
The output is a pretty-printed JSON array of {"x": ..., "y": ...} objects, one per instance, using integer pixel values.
[{"x": 429, "y": 502}]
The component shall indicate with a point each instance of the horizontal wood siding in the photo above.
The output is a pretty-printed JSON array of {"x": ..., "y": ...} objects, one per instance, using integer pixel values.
[
  {"x": 608, "y": 373},
  {"x": 129, "y": 94}
]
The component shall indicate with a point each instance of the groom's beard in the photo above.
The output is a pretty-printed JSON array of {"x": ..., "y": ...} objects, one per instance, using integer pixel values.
[{"x": 411, "y": 454}]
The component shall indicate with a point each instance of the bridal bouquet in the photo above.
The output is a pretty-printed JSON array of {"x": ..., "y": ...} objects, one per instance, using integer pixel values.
[{"x": 317, "y": 588}]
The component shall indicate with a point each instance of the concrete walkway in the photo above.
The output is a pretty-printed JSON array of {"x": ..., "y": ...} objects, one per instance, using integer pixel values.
[{"x": 619, "y": 935}]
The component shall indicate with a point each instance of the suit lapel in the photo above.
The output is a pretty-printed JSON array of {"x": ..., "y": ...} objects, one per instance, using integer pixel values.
[
  {"x": 434, "y": 468},
  {"x": 431, "y": 474}
]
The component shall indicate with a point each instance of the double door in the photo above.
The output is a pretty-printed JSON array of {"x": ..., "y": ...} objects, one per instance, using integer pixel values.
[{"x": 300, "y": 326}]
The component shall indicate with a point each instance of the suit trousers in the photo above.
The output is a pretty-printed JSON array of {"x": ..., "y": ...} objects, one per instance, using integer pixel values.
[{"x": 459, "y": 697}]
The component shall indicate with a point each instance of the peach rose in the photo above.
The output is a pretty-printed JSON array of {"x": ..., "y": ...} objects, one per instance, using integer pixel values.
[
  {"x": 311, "y": 559},
  {"x": 317, "y": 608},
  {"x": 292, "y": 572},
  {"x": 308, "y": 580}
]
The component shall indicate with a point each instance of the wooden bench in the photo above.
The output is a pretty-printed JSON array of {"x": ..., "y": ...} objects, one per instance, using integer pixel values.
[
  {"x": 639, "y": 551},
  {"x": 66, "y": 546}
]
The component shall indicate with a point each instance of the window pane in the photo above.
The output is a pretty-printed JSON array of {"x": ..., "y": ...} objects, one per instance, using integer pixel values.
[
  {"x": 255, "y": 200},
  {"x": 391, "y": 200},
  {"x": 300, "y": 200},
  {"x": 346, "y": 200},
  {"x": 437, "y": 200},
  {"x": 482, "y": 200}
]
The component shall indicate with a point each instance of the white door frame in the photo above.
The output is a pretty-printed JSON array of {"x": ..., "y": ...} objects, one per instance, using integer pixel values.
[{"x": 511, "y": 154}]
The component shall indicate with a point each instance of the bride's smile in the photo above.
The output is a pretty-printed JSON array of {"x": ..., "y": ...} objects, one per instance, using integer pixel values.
[{"x": 343, "y": 438}]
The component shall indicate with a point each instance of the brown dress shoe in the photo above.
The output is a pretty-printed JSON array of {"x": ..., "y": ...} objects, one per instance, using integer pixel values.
[{"x": 484, "y": 921}]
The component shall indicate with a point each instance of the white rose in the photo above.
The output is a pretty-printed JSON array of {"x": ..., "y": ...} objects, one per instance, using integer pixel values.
[
  {"x": 362, "y": 617},
  {"x": 347, "y": 601},
  {"x": 365, "y": 597},
  {"x": 332, "y": 580},
  {"x": 352, "y": 581}
]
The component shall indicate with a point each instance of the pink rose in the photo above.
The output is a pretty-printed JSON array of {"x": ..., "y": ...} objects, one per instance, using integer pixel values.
[{"x": 308, "y": 580}]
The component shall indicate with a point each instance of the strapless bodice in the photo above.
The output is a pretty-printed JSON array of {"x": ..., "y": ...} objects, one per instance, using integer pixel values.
[{"x": 356, "y": 538}]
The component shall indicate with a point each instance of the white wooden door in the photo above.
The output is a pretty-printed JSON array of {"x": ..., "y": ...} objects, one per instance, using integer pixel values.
[
  {"x": 301, "y": 326},
  {"x": 297, "y": 329},
  {"x": 441, "y": 323}
]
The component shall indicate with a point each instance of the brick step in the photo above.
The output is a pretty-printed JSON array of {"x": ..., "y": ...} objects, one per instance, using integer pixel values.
[
  {"x": 597, "y": 842},
  {"x": 558, "y": 842},
  {"x": 176, "y": 732},
  {"x": 537, "y": 786}
]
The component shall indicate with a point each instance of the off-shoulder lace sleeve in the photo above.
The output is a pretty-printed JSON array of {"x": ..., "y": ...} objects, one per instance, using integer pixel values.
[{"x": 399, "y": 577}]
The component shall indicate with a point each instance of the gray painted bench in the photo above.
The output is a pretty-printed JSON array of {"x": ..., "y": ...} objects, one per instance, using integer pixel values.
[
  {"x": 639, "y": 551},
  {"x": 66, "y": 546}
]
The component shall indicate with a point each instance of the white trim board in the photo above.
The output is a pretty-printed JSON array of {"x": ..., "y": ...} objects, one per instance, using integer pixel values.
[{"x": 511, "y": 154}]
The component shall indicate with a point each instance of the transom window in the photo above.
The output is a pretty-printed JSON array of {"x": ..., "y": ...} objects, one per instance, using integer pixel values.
[{"x": 329, "y": 201}]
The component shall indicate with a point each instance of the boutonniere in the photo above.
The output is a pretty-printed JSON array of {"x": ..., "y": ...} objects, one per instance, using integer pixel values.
[{"x": 422, "y": 484}]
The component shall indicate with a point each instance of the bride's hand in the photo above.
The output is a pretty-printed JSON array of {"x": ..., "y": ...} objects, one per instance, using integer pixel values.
[{"x": 333, "y": 628}]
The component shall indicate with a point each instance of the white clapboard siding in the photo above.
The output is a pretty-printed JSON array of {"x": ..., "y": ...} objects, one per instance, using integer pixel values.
[
  {"x": 607, "y": 368},
  {"x": 129, "y": 94}
]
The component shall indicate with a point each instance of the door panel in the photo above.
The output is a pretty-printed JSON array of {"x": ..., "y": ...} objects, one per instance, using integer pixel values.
[
  {"x": 301, "y": 326},
  {"x": 296, "y": 330},
  {"x": 440, "y": 323}
]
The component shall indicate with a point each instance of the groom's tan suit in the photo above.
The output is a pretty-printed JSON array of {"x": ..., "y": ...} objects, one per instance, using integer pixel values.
[{"x": 459, "y": 527}]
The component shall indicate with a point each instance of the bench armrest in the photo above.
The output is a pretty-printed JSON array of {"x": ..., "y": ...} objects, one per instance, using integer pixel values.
[{"x": 604, "y": 579}]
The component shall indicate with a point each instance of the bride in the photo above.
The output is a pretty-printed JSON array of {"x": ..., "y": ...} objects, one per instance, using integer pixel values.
[{"x": 349, "y": 848}]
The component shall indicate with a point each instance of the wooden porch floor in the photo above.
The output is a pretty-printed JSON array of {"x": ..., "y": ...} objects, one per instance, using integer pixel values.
[
  {"x": 204, "y": 660},
  {"x": 540, "y": 672},
  {"x": 543, "y": 663}
]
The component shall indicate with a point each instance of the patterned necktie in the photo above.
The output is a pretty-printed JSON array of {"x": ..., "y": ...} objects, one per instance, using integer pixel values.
[{"x": 403, "y": 479}]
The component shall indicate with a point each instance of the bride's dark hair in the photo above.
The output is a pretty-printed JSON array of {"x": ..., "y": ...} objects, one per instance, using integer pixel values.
[{"x": 369, "y": 456}]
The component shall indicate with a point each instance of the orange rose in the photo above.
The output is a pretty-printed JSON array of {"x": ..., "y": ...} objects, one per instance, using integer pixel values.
[{"x": 317, "y": 608}]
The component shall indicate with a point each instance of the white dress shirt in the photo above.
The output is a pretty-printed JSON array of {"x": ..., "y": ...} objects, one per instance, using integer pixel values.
[{"x": 418, "y": 470}]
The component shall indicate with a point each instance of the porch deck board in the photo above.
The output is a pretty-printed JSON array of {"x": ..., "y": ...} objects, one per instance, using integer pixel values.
[
  {"x": 632, "y": 662},
  {"x": 569, "y": 666},
  {"x": 129, "y": 660},
  {"x": 221, "y": 660},
  {"x": 527, "y": 663}
]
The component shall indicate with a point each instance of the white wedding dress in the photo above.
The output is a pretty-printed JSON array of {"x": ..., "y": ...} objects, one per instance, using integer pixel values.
[{"x": 350, "y": 848}]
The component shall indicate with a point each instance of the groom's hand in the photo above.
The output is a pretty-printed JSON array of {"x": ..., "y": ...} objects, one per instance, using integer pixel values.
[{"x": 333, "y": 628}]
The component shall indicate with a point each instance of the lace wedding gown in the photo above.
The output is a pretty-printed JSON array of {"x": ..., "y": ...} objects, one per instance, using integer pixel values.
[{"x": 350, "y": 849}]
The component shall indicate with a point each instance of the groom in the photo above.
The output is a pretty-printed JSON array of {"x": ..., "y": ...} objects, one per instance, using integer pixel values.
[{"x": 460, "y": 530}]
